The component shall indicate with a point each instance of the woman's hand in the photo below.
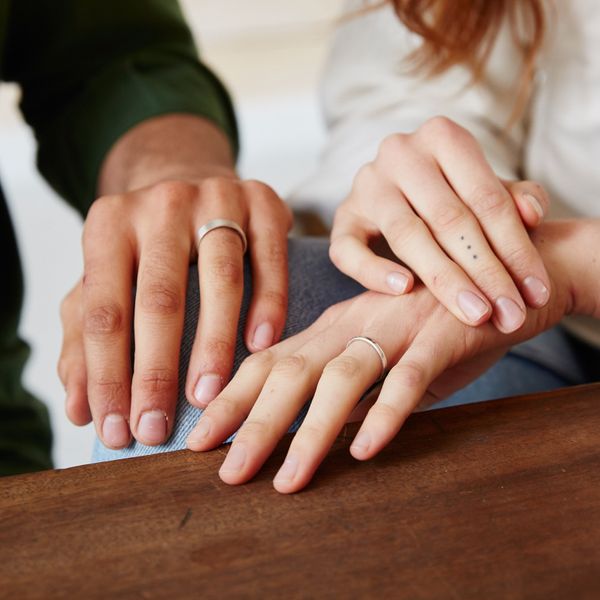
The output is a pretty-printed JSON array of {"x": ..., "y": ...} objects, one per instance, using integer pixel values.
[
  {"x": 431, "y": 355},
  {"x": 147, "y": 238},
  {"x": 445, "y": 215}
]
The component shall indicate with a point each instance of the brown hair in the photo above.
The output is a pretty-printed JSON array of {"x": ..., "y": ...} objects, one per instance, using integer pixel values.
[{"x": 464, "y": 31}]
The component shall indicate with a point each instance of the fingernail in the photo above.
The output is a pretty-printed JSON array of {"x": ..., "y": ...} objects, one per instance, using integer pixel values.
[
  {"x": 208, "y": 388},
  {"x": 115, "y": 431},
  {"x": 535, "y": 204},
  {"x": 397, "y": 282},
  {"x": 508, "y": 314},
  {"x": 152, "y": 427},
  {"x": 362, "y": 441},
  {"x": 288, "y": 469},
  {"x": 235, "y": 459},
  {"x": 473, "y": 307},
  {"x": 263, "y": 336},
  {"x": 537, "y": 292},
  {"x": 200, "y": 432}
]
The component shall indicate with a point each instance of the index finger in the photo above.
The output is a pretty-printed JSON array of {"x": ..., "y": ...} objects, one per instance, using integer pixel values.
[{"x": 106, "y": 297}]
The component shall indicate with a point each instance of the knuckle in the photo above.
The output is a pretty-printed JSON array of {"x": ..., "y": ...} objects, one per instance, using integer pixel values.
[
  {"x": 160, "y": 298},
  {"x": 259, "y": 190},
  {"x": 388, "y": 413},
  {"x": 364, "y": 269},
  {"x": 400, "y": 230},
  {"x": 367, "y": 180},
  {"x": 220, "y": 186},
  {"x": 291, "y": 366},
  {"x": 492, "y": 272},
  {"x": 226, "y": 271},
  {"x": 259, "y": 360},
  {"x": 335, "y": 251},
  {"x": 448, "y": 217},
  {"x": 409, "y": 375},
  {"x": 347, "y": 367},
  {"x": 67, "y": 306},
  {"x": 313, "y": 431},
  {"x": 392, "y": 145},
  {"x": 62, "y": 368},
  {"x": 106, "y": 319},
  {"x": 256, "y": 428},
  {"x": 226, "y": 407},
  {"x": 488, "y": 200},
  {"x": 156, "y": 381},
  {"x": 441, "y": 127},
  {"x": 172, "y": 195},
  {"x": 102, "y": 213},
  {"x": 105, "y": 206},
  {"x": 366, "y": 175},
  {"x": 519, "y": 257},
  {"x": 330, "y": 315},
  {"x": 217, "y": 349},
  {"x": 109, "y": 391}
]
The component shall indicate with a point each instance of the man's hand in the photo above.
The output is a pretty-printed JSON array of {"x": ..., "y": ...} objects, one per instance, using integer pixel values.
[{"x": 160, "y": 184}]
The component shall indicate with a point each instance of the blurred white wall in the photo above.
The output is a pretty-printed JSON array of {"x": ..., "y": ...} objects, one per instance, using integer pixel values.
[{"x": 269, "y": 53}]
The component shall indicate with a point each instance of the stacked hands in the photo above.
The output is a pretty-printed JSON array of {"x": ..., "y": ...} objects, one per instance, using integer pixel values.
[{"x": 446, "y": 218}]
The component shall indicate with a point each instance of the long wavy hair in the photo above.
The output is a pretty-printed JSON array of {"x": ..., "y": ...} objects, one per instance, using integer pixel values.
[{"x": 464, "y": 31}]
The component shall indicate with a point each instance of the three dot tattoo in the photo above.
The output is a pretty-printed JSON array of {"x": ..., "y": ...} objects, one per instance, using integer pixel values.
[{"x": 462, "y": 239}]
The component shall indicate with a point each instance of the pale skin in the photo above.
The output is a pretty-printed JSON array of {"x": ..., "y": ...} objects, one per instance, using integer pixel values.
[
  {"x": 436, "y": 201},
  {"x": 431, "y": 355}
]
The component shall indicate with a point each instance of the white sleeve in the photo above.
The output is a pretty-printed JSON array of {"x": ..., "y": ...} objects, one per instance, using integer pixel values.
[{"x": 369, "y": 91}]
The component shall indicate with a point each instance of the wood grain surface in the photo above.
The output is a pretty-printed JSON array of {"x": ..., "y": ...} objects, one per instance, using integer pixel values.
[{"x": 491, "y": 500}]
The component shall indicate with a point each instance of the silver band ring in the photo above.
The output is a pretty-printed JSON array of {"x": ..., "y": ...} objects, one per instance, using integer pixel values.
[
  {"x": 219, "y": 223},
  {"x": 376, "y": 347}
]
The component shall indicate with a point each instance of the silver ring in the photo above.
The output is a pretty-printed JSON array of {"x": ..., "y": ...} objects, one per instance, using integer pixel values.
[
  {"x": 217, "y": 224},
  {"x": 376, "y": 347}
]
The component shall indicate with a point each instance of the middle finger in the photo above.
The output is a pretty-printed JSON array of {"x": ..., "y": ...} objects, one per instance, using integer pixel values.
[{"x": 158, "y": 323}]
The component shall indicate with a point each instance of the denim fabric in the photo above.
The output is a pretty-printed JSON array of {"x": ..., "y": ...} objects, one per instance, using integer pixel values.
[{"x": 547, "y": 362}]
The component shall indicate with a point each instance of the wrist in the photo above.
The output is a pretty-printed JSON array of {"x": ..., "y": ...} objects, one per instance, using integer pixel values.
[
  {"x": 166, "y": 148},
  {"x": 569, "y": 251}
]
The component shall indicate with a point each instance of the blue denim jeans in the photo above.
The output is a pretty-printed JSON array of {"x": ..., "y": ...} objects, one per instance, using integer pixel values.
[{"x": 551, "y": 360}]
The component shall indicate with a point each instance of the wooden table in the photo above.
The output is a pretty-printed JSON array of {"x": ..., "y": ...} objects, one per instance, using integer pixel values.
[{"x": 491, "y": 500}]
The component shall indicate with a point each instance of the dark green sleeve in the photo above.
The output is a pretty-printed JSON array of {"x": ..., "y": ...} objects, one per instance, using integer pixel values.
[{"x": 92, "y": 69}]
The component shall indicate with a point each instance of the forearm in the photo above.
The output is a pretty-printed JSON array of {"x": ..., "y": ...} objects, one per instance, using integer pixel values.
[
  {"x": 570, "y": 250},
  {"x": 175, "y": 146}
]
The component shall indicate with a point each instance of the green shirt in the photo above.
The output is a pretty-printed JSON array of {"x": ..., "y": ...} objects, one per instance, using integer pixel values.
[
  {"x": 92, "y": 69},
  {"x": 89, "y": 71}
]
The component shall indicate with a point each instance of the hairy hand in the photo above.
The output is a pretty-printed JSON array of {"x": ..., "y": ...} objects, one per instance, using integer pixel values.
[{"x": 147, "y": 238}]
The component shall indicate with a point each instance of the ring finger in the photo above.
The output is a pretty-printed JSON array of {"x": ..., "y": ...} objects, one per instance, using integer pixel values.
[
  {"x": 344, "y": 381},
  {"x": 221, "y": 273}
]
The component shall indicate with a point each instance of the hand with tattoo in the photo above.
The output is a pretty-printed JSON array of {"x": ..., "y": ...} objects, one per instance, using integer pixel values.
[
  {"x": 430, "y": 355},
  {"x": 433, "y": 197}
]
